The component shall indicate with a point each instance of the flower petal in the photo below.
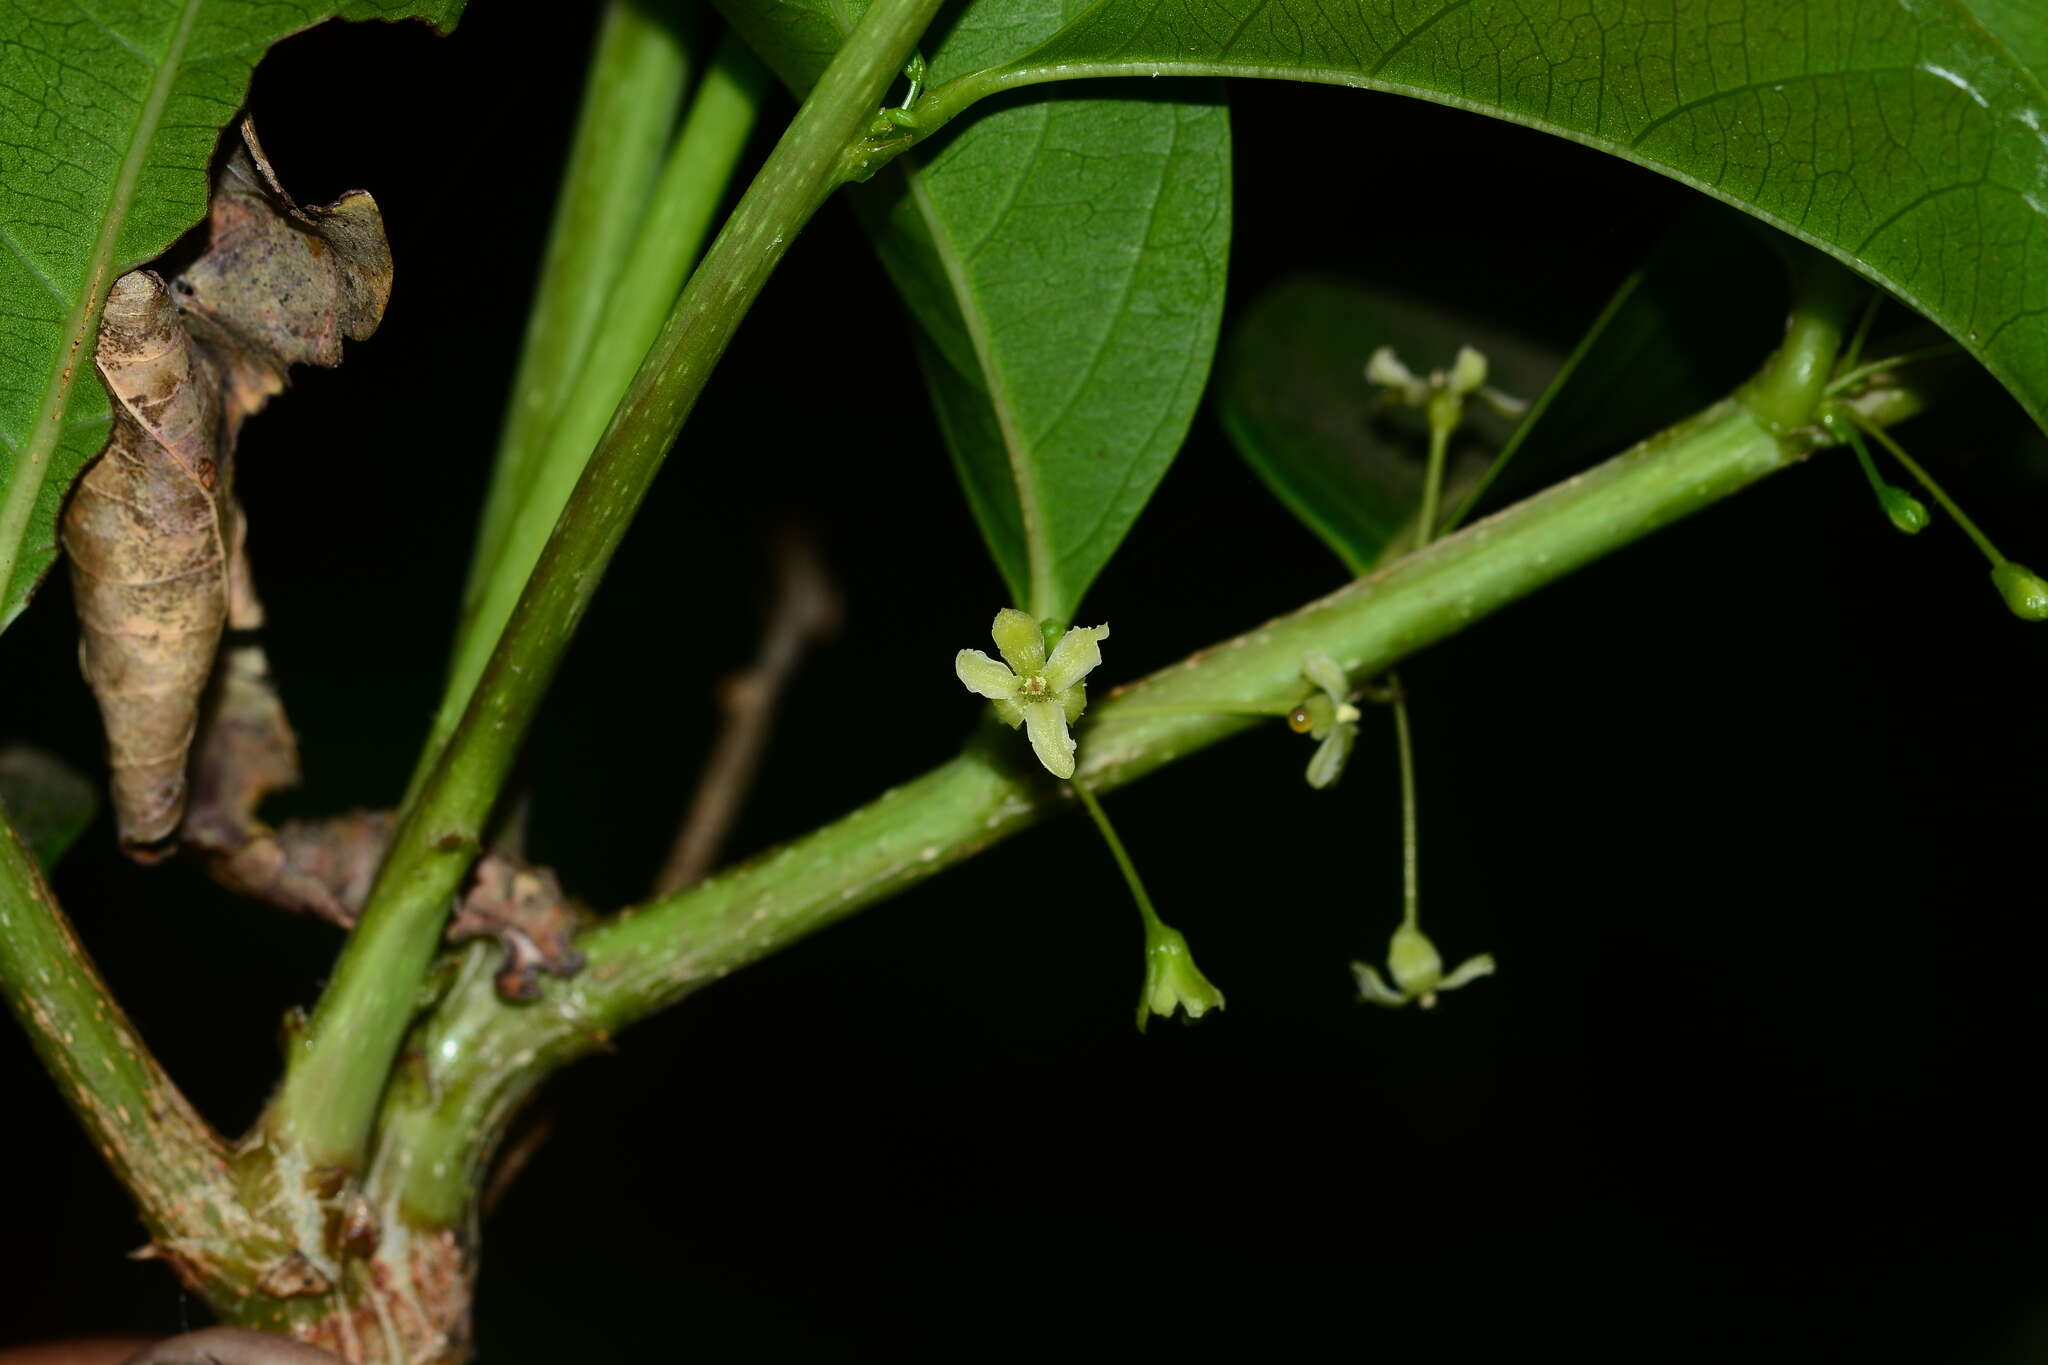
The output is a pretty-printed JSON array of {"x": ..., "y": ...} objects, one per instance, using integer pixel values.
[
  {"x": 1373, "y": 989},
  {"x": 1009, "y": 711},
  {"x": 1047, "y": 723},
  {"x": 1471, "y": 969},
  {"x": 1328, "y": 764},
  {"x": 983, "y": 676},
  {"x": 1385, "y": 369},
  {"x": 1468, "y": 371},
  {"x": 1073, "y": 701},
  {"x": 1074, "y": 657},
  {"x": 1017, "y": 636},
  {"x": 1322, "y": 670}
]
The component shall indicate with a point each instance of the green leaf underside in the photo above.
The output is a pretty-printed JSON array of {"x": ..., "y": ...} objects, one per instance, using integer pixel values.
[
  {"x": 1291, "y": 391},
  {"x": 1064, "y": 259},
  {"x": 109, "y": 114},
  {"x": 1901, "y": 136}
]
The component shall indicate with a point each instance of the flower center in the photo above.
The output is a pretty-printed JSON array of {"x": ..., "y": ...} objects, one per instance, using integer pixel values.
[{"x": 1034, "y": 686}]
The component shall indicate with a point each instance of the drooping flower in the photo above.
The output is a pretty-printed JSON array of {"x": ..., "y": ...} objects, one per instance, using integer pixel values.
[
  {"x": 1044, "y": 693},
  {"x": 1172, "y": 980},
  {"x": 1418, "y": 971}
]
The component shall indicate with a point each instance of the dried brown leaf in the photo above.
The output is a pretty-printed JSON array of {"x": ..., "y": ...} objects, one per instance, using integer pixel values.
[
  {"x": 153, "y": 532},
  {"x": 326, "y": 867}
]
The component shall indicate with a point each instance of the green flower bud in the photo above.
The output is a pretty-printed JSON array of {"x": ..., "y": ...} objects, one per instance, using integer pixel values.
[
  {"x": 1907, "y": 512},
  {"x": 2025, "y": 592}
]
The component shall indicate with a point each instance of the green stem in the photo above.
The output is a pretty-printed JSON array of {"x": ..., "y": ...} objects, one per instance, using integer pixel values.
[
  {"x": 1411, "y": 860},
  {"x": 1444, "y": 413},
  {"x": 1853, "y": 352},
  {"x": 1884, "y": 438},
  {"x": 1851, "y": 378},
  {"x": 1588, "y": 339},
  {"x": 1786, "y": 395},
  {"x": 332, "y": 1084},
  {"x": 1214, "y": 708},
  {"x": 1862, "y": 452},
  {"x": 630, "y": 97},
  {"x": 1123, "y": 858},
  {"x": 670, "y": 237},
  {"x": 485, "y": 1057}
]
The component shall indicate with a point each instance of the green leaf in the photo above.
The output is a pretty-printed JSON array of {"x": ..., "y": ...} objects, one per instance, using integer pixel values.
[
  {"x": 108, "y": 117},
  {"x": 1291, "y": 391},
  {"x": 1064, "y": 260},
  {"x": 2022, "y": 25},
  {"x": 45, "y": 799},
  {"x": 1904, "y": 139},
  {"x": 1677, "y": 333}
]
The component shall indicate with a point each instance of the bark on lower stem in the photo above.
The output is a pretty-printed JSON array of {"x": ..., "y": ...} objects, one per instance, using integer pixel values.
[{"x": 176, "y": 1167}]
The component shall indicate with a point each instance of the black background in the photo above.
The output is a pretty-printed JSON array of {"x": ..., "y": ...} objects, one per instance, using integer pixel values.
[{"x": 1750, "y": 814}]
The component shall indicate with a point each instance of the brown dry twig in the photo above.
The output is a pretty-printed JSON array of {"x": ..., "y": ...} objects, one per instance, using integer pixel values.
[{"x": 805, "y": 612}]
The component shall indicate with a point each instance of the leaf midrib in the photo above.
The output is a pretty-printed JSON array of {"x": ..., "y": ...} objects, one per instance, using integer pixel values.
[
  {"x": 1037, "y": 552},
  {"x": 32, "y": 465}
]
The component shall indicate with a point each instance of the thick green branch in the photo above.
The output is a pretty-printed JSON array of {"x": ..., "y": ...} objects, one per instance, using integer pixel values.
[
  {"x": 158, "y": 1147},
  {"x": 442, "y": 1124},
  {"x": 335, "y": 1078}
]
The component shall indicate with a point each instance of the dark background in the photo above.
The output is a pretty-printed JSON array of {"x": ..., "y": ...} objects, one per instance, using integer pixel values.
[{"x": 1750, "y": 814}]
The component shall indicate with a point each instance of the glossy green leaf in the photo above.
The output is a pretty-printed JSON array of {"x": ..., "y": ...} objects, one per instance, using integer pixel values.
[
  {"x": 1901, "y": 136},
  {"x": 1064, "y": 259},
  {"x": 2022, "y": 25},
  {"x": 108, "y": 116},
  {"x": 1291, "y": 391},
  {"x": 47, "y": 801}
]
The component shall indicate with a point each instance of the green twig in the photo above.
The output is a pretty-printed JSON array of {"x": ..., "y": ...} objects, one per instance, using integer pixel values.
[
  {"x": 669, "y": 239},
  {"x": 1786, "y": 395},
  {"x": 484, "y": 1057},
  {"x": 630, "y": 96},
  {"x": 323, "y": 1111}
]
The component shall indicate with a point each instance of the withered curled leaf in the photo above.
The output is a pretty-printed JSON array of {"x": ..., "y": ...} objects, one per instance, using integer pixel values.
[
  {"x": 153, "y": 533},
  {"x": 325, "y": 867}
]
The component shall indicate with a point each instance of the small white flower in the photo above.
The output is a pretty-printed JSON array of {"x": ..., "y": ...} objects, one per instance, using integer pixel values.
[
  {"x": 1043, "y": 694},
  {"x": 1466, "y": 377}
]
